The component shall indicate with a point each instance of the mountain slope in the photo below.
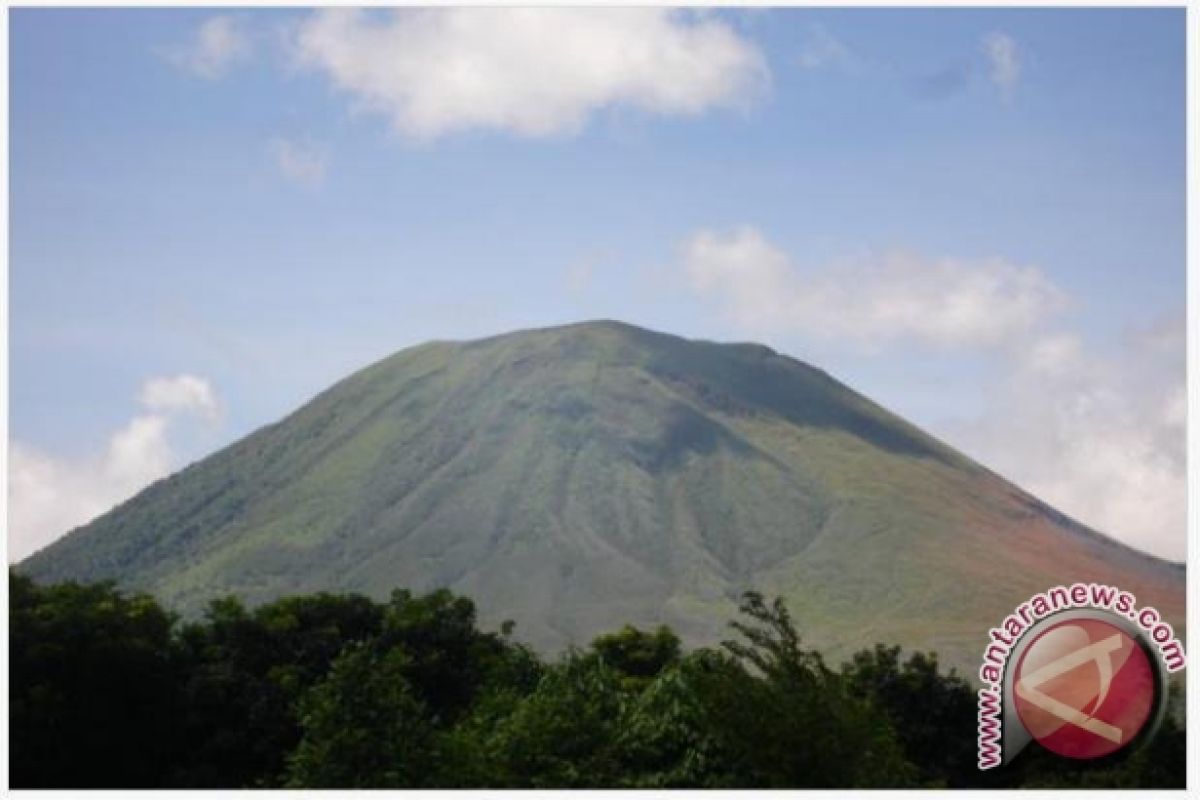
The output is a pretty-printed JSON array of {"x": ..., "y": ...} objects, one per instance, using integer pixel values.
[{"x": 577, "y": 478}]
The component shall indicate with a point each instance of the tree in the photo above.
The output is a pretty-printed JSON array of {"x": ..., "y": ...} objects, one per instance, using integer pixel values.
[
  {"x": 364, "y": 726},
  {"x": 669, "y": 735},
  {"x": 798, "y": 725},
  {"x": 927, "y": 709},
  {"x": 564, "y": 733},
  {"x": 448, "y": 657},
  {"x": 637, "y": 654},
  {"x": 341, "y": 691},
  {"x": 395, "y": 710},
  {"x": 94, "y": 679},
  {"x": 247, "y": 672}
]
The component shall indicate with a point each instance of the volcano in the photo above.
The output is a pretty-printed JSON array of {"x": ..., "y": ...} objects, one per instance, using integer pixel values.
[{"x": 577, "y": 478}]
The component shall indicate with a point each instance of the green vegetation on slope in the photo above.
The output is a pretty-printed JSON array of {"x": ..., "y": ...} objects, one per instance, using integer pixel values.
[
  {"x": 109, "y": 691},
  {"x": 582, "y": 477}
]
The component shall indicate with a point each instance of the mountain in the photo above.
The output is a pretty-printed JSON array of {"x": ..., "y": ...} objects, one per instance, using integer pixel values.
[{"x": 577, "y": 478}]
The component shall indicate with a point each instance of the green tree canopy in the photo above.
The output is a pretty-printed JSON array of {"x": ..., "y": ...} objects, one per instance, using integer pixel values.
[{"x": 108, "y": 690}]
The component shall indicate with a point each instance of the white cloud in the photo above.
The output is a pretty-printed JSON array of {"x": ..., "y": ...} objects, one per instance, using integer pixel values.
[
  {"x": 944, "y": 302},
  {"x": 218, "y": 44},
  {"x": 48, "y": 496},
  {"x": 530, "y": 71},
  {"x": 303, "y": 163},
  {"x": 1099, "y": 437},
  {"x": 1004, "y": 62},
  {"x": 180, "y": 393}
]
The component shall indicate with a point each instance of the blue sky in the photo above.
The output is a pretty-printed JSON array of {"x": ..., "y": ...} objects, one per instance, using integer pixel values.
[{"x": 266, "y": 200}]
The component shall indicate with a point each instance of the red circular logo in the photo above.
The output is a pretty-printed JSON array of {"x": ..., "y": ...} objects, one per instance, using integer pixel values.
[{"x": 1084, "y": 688}]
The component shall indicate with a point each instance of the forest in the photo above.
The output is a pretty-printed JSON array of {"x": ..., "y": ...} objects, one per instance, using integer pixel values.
[{"x": 110, "y": 690}]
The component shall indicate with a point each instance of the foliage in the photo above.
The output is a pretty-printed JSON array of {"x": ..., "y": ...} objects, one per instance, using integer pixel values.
[
  {"x": 94, "y": 677},
  {"x": 800, "y": 725},
  {"x": 110, "y": 691},
  {"x": 364, "y": 726},
  {"x": 923, "y": 705},
  {"x": 638, "y": 655},
  {"x": 248, "y": 670}
]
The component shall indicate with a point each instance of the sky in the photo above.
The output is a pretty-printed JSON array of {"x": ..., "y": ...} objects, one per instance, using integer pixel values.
[{"x": 974, "y": 217}]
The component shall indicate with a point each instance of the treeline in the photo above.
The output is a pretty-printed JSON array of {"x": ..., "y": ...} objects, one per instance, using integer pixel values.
[{"x": 110, "y": 690}]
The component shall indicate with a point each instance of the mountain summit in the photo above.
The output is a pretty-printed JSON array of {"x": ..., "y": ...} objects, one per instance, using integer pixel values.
[{"x": 577, "y": 478}]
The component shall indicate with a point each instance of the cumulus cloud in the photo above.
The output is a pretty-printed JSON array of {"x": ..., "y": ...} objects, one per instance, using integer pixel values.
[
  {"x": 218, "y": 44},
  {"x": 533, "y": 72},
  {"x": 48, "y": 495},
  {"x": 302, "y": 163},
  {"x": 1004, "y": 62},
  {"x": 1100, "y": 436},
  {"x": 181, "y": 393},
  {"x": 944, "y": 302}
]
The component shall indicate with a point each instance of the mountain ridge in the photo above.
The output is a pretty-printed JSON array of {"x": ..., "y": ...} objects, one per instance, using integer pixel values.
[{"x": 581, "y": 476}]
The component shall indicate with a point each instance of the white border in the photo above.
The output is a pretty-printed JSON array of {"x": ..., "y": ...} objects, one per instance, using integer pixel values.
[{"x": 1192, "y": 24}]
